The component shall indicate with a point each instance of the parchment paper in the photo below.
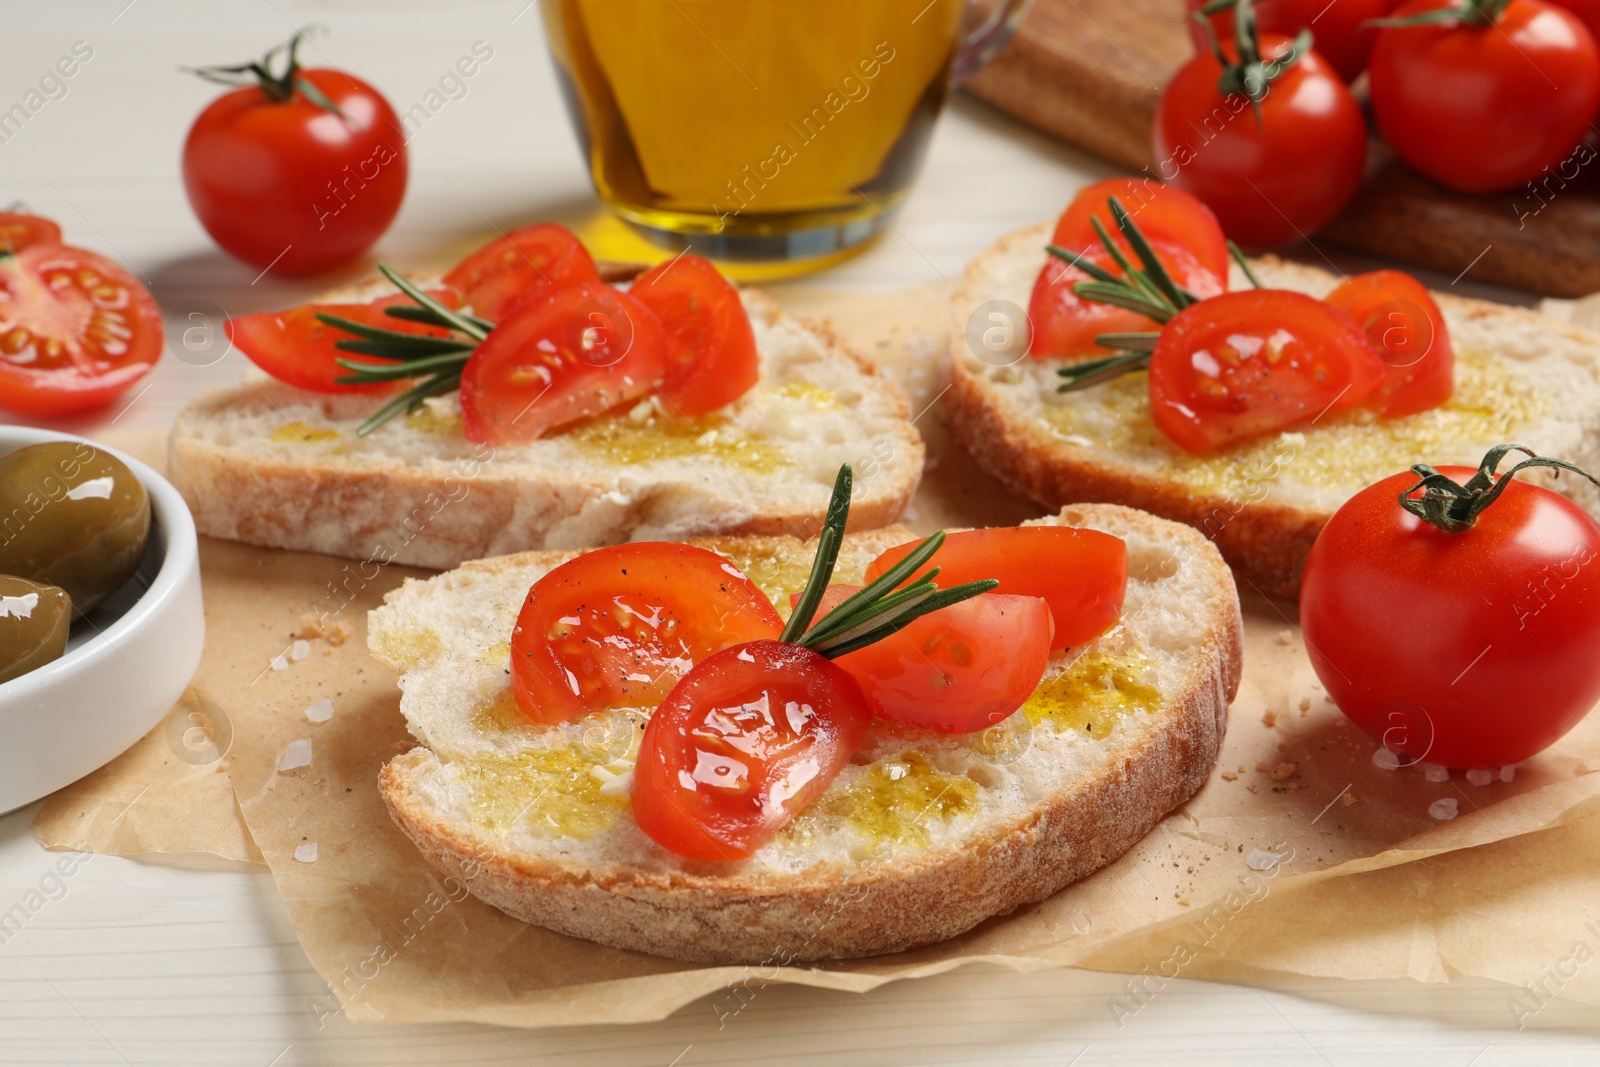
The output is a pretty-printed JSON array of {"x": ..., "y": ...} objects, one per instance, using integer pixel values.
[{"x": 1296, "y": 804}]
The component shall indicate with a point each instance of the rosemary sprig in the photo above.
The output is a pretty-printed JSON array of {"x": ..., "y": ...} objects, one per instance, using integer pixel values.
[
  {"x": 437, "y": 361},
  {"x": 1146, "y": 288},
  {"x": 882, "y": 607}
]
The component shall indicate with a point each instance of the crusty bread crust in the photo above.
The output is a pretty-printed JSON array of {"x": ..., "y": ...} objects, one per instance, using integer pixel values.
[
  {"x": 715, "y": 913},
  {"x": 1266, "y": 542},
  {"x": 366, "y": 508}
]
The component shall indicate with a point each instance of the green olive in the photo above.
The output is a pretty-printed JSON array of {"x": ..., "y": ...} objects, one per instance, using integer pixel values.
[
  {"x": 71, "y": 516},
  {"x": 34, "y": 620}
]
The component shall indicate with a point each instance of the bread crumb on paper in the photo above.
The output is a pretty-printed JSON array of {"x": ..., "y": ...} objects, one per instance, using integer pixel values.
[
  {"x": 1348, "y": 799},
  {"x": 1269, "y": 719},
  {"x": 1230, "y": 776},
  {"x": 1284, "y": 771}
]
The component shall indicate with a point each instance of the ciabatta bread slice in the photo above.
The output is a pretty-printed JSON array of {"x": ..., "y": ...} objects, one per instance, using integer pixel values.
[
  {"x": 272, "y": 465},
  {"x": 1519, "y": 377},
  {"x": 921, "y": 838}
]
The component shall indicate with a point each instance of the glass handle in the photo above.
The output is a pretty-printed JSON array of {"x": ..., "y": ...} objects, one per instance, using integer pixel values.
[{"x": 987, "y": 37}]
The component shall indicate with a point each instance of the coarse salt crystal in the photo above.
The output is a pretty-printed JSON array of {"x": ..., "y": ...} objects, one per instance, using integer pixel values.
[
  {"x": 1508, "y": 772},
  {"x": 1444, "y": 809},
  {"x": 296, "y": 754},
  {"x": 321, "y": 711},
  {"x": 300, "y": 650},
  {"x": 1385, "y": 760},
  {"x": 1261, "y": 860},
  {"x": 306, "y": 853},
  {"x": 1435, "y": 773},
  {"x": 279, "y": 663},
  {"x": 1479, "y": 776}
]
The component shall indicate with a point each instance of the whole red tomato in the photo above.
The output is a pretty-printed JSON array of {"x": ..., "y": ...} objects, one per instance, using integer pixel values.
[
  {"x": 1487, "y": 106},
  {"x": 1271, "y": 178},
  {"x": 1472, "y": 647},
  {"x": 1343, "y": 37},
  {"x": 298, "y": 172}
]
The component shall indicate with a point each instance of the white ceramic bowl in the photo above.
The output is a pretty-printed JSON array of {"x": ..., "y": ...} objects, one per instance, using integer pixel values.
[{"x": 124, "y": 668}]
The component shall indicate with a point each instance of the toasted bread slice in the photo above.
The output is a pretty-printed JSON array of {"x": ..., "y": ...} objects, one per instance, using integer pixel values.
[
  {"x": 272, "y": 465},
  {"x": 1519, "y": 377},
  {"x": 922, "y": 837}
]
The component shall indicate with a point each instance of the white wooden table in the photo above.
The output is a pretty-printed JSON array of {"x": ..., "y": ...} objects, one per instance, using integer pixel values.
[{"x": 133, "y": 962}]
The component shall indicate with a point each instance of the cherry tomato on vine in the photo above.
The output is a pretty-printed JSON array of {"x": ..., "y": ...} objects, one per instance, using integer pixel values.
[
  {"x": 1164, "y": 214},
  {"x": 1588, "y": 12},
  {"x": 711, "y": 349},
  {"x": 298, "y": 171},
  {"x": 76, "y": 330},
  {"x": 1081, "y": 574},
  {"x": 741, "y": 745},
  {"x": 19, "y": 230},
  {"x": 1487, "y": 104},
  {"x": 619, "y": 626},
  {"x": 1342, "y": 36},
  {"x": 1471, "y": 648},
  {"x": 1407, "y": 331},
  {"x": 1273, "y": 181},
  {"x": 294, "y": 347},
  {"x": 1062, "y": 323},
  {"x": 536, "y": 259},
  {"x": 565, "y": 355},
  {"x": 961, "y": 669},
  {"x": 1251, "y": 363}
]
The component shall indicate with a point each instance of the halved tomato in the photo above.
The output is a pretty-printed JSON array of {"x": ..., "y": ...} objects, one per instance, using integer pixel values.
[
  {"x": 18, "y": 231},
  {"x": 1163, "y": 213},
  {"x": 76, "y": 330},
  {"x": 617, "y": 627},
  {"x": 1062, "y": 323},
  {"x": 537, "y": 258},
  {"x": 294, "y": 347},
  {"x": 1082, "y": 574},
  {"x": 711, "y": 350},
  {"x": 576, "y": 351},
  {"x": 1256, "y": 362},
  {"x": 741, "y": 745},
  {"x": 959, "y": 669},
  {"x": 1407, "y": 330}
]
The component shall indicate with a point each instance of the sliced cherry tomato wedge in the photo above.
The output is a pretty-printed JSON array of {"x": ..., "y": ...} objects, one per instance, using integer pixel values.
[
  {"x": 711, "y": 350},
  {"x": 960, "y": 669},
  {"x": 617, "y": 627},
  {"x": 18, "y": 231},
  {"x": 1163, "y": 213},
  {"x": 1407, "y": 330},
  {"x": 746, "y": 740},
  {"x": 1062, "y": 323},
  {"x": 575, "y": 352},
  {"x": 76, "y": 330},
  {"x": 1251, "y": 363},
  {"x": 1082, "y": 574},
  {"x": 295, "y": 347},
  {"x": 538, "y": 258}
]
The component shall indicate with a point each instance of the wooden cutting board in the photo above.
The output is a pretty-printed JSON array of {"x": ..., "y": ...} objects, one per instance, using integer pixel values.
[{"x": 1090, "y": 71}]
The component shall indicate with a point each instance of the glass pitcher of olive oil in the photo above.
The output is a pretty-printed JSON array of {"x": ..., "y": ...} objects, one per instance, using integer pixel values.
[{"x": 764, "y": 131}]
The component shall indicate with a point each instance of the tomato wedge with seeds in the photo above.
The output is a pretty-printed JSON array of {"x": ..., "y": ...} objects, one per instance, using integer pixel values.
[
  {"x": 294, "y": 347},
  {"x": 617, "y": 627},
  {"x": 1062, "y": 323},
  {"x": 741, "y": 745},
  {"x": 1163, "y": 213},
  {"x": 1247, "y": 364},
  {"x": 18, "y": 231},
  {"x": 963, "y": 668},
  {"x": 1407, "y": 330},
  {"x": 76, "y": 330},
  {"x": 711, "y": 350},
  {"x": 1081, "y": 574},
  {"x": 575, "y": 352},
  {"x": 537, "y": 258}
]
